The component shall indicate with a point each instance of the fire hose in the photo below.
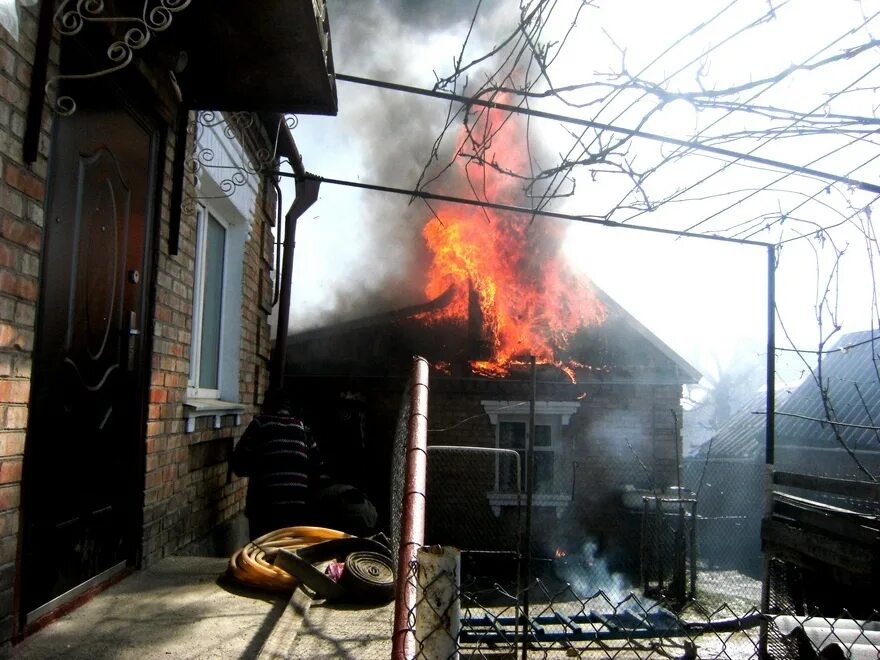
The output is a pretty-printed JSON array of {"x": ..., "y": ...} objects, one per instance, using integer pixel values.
[{"x": 286, "y": 558}]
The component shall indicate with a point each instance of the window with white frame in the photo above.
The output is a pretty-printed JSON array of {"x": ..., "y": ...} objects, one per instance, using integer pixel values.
[
  {"x": 207, "y": 323},
  {"x": 552, "y": 475},
  {"x": 515, "y": 435}
]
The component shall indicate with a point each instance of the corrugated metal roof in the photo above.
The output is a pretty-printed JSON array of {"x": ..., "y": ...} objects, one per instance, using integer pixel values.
[
  {"x": 743, "y": 436},
  {"x": 850, "y": 374}
]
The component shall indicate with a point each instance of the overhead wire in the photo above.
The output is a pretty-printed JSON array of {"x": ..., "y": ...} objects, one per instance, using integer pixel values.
[
  {"x": 693, "y": 31},
  {"x": 760, "y": 92},
  {"x": 787, "y": 174}
]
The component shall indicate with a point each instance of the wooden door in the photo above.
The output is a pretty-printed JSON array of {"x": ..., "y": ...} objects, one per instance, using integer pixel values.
[{"x": 83, "y": 476}]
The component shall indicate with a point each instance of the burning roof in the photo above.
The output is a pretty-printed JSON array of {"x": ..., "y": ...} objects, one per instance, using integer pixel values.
[
  {"x": 383, "y": 344},
  {"x": 499, "y": 291}
]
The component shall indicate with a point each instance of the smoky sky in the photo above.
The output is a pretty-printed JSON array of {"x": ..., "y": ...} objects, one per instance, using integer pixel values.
[{"x": 411, "y": 42}]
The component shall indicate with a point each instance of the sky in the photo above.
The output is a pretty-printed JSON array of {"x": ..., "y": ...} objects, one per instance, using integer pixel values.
[{"x": 357, "y": 251}]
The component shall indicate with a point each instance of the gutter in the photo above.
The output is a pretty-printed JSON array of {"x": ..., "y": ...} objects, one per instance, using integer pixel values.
[{"x": 306, "y": 195}]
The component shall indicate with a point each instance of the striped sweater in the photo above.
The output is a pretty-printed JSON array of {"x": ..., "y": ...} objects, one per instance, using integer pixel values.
[{"x": 282, "y": 462}]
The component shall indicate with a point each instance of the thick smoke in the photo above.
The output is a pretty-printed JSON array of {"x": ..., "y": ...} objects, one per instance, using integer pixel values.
[{"x": 392, "y": 134}]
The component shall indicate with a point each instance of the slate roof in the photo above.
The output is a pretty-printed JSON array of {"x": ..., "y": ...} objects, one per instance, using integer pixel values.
[
  {"x": 851, "y": 374},
  {"x": 743, "y": 436}
]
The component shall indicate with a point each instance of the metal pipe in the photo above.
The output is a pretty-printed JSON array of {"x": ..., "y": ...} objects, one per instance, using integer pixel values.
[
  {"x": 279, "y": 204},
  {"x": 593, "y": 220},
  {"x": 412, "y": 523},
  {"x": 770, "y": 454},
  {"x": 530, "y": 487},
  {"x": 306, "y": 195},
  {"x": 770, "y": 435}
]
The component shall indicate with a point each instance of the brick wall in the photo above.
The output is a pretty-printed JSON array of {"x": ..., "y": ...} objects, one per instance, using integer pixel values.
[
  {"x": 22, "y": 190},
  {"x": 187, "y": 485},
  {"x": 189, "y": 488},
  {"x": 622, "y": 434}
]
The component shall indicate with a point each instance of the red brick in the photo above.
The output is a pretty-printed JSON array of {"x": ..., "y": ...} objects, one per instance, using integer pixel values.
[
  {"x": 20, "y": 232},
  {"x": 11, "y": 444},
  {"x": 8, "y": 256},
  {"x": 7, "y": 60},
  {"x": 153, "y": 479},
  {"x": 25, "y": 181},
  {"x": 10, "y": 497},
  {"x": 9, "y": 91},
  {"x": 10, "y": 471},
  {"x": 9, "y": 523},
  {"x": 16, "y": 285},
  {"x": 16, "y": 417},
  {"x": 12, "y": 337},
  {"x": 8, "y": 548},
  {"x": 157, "y": 395},
  {"x": 14, "y": 391}
]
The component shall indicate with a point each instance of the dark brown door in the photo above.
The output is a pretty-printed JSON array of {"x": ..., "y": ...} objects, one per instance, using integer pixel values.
[{"x": 83, "y": 483}]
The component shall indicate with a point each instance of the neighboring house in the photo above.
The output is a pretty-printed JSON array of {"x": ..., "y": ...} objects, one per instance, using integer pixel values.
[
  {"x": 728, "y": 476},
  {"x": 729, "y": 471},
  {"x": 850, "y": 376},
  {"x": 619, "y": 425},
  {"x": 822, "y": 533},
  {"x": 134, "y": 299}
]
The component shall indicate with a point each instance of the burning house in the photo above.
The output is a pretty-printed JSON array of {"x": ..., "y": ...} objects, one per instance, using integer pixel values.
[
  {"x": 606, "y": 418},
  {"x": 607, "y": 392},
  {"x": 499, "y": 293}
]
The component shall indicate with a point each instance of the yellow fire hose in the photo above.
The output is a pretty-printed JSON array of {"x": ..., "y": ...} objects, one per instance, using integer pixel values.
[{"x": 252, "y": 564}]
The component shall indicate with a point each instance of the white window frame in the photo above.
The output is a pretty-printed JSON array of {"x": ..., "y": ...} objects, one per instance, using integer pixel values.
[
  {"x": 193, "y": 389},
  {"x": 554, "y": 448},
  {"x": 554, "y": 414}
]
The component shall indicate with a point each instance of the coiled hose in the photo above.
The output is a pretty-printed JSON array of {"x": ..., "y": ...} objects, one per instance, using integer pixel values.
[{"x": 252, "y": 565}]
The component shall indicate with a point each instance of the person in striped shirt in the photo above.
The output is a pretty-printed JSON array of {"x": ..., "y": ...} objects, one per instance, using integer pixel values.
[{"x": 283, "y": 466}]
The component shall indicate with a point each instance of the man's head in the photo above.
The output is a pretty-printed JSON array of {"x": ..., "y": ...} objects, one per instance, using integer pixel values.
[{"x": 277, "y": 402}]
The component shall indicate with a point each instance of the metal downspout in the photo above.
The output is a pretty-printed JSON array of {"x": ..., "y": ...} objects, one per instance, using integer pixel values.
[{"x": 306, "y": 195}]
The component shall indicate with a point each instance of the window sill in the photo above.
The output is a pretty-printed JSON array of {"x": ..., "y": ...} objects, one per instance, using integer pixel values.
[
  {"x": 558, "y": 500},
  {"x": 195, "y": 408}
]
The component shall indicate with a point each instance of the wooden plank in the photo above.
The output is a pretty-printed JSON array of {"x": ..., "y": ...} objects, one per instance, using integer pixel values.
[
  {"x": 865, "y": 490},
  {"x": 813, "y": 550},
  {"x": 853, "y": 529}
]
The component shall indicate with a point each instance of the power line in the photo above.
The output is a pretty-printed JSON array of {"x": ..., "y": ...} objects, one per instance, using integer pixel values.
[
  {"x": 786, "y": 175},
  {"x": 744, "y": 103},
  {"x": 689, "y": 144},
  {"x": 617, "y": 92},
  {"x": 715, "y": 46},
  {"x": 593, "y": 220}
]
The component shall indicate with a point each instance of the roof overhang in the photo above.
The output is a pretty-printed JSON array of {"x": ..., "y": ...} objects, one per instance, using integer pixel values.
[{"x": 266, "y": 56}]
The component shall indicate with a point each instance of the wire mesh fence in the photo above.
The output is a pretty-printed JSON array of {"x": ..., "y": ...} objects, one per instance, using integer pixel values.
[
  {"x": 682, "y": 576},
  {"x": 729, "y": 497},
  {"x": 455, "y": 616}
]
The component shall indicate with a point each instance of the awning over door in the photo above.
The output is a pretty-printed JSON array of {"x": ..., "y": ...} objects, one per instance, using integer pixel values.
[{"x": 256, "y": 55}]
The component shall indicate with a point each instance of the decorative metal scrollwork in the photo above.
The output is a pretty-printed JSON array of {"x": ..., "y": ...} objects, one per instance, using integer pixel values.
[
  {"x": 71, "y": 16},
  {"x": 234, "y": 126}
]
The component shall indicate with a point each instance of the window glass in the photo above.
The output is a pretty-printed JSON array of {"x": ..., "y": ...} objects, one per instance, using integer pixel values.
[
  {"x": 543, "y": 471},
  {"x": 212, "y": 304},
  {"x": 542, "y": 436},
  {"x": 512, "y": 435}
]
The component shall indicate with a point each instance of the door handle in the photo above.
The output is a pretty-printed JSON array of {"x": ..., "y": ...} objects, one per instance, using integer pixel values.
[{"x": 132, "y": 330}]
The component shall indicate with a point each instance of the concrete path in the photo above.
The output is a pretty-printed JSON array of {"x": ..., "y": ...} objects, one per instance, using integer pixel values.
[{"x": 175, "y": 609}]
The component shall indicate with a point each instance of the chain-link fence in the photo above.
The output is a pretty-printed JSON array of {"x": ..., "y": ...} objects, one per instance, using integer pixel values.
[
  {"x": 672, "y": 572},
  {"x": 730, "y": 501},
  {"x": 455, "y": 617}
]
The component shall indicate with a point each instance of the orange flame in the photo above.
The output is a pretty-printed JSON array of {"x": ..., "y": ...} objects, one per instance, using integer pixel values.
[{"x": 529, "y": 300}]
